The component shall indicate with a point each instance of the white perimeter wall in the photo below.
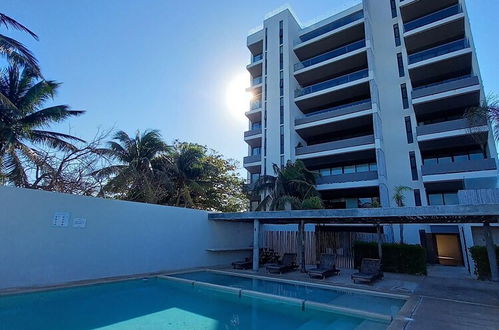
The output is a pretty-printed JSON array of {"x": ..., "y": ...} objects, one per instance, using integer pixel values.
[{"x": 120, "y": 238}]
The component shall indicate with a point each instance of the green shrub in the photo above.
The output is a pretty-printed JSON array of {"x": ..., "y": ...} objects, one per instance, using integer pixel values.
[
  {"x": 481, "y": 260},
  {"x": 397, "y": 258},
  {"x": 312, "y": 203}
]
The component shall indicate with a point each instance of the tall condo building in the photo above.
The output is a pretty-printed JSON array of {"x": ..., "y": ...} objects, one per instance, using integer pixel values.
[{"x": 372, "y": 98}]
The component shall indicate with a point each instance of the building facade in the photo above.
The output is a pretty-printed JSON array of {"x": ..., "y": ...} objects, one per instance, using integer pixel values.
[{"x": 372, "y": 98}]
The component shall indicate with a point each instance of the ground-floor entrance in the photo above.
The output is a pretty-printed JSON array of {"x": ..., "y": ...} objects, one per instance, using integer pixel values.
[{"x": 443, "y": 245}]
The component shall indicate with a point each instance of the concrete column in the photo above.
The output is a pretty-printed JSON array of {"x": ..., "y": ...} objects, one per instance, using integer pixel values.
[
  {"x": 301, "y": 246},
  {"x": 491, "y": 252},
  {"x": 256, "y": 245}
]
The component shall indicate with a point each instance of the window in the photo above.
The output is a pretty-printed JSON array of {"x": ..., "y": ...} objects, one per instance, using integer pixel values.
[
  {"x": 373, "y": 167},
  {"x": 265, "y": 143},
  {"x": 256, "y": 125},
  {"x": 408, "y": 130},
  {"x": 325, "y": 172},
  {"x": 362, "y": 168},
  {"x": 281, "y": 111},
  {"x": 394, "y": 8},
  {"x": 349, "y": 169},
  {"x": 256, "y": 151},
  {"x": 280, "y": 32},
  {"x": 451, "y": 199},
  {"x": 477, "y": 156},
  {"x": 435, "y": 199},
  {"x": 254, "y": 177},
  {"x": 396, "y": 33},
  {"x": 337, "y": 171},
  {"x": 282, "y": 161},
  {"x": 417, "y": 197},
  {"x": 446, "y": 198},
  {"x": 400, "y": 62},
  {"x": 414, "y": 169},
  {"x": 405, "y": 98},
  {"x": 281, "y": 58}
]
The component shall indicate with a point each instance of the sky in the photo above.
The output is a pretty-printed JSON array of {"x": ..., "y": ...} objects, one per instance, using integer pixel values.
[{"x": 169, "y": 65}]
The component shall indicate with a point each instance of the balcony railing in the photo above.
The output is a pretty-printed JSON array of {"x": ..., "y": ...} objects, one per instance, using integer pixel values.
[
  {"x": 450, "y": 125},
  {"x": 253, "y": 132},
  {"x": 460, "y": 167},
  {"x": 332, "y": 82},
  {"x": 335, "y": 145},
  {"x": 348, "y": 177},
  {"x": 256, "y": 58},
  {"x": 331, "y": 54},
  {"x": 433, "y": 17},
  {"x": 255, "y": 104},
  {"x": 335, "y": 111},
  {"x": 252, "y": 159},
  {"x": 256, "y": 81},
  {"x": 445, "y": 86},
  {"x": 438, "y": 51},
  {"x": 332, "y": 26}
]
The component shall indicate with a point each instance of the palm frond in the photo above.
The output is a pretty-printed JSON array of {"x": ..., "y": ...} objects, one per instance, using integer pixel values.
[
  {"x": 9, "y": 22},
  {"x": 18, "y": 53}
]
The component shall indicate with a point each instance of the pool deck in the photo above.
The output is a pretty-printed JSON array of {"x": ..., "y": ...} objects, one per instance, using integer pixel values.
[{"x": 438, "y": 301}]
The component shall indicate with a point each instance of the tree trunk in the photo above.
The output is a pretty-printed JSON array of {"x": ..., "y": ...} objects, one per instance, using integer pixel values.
[{"x": 380, "y": 250}]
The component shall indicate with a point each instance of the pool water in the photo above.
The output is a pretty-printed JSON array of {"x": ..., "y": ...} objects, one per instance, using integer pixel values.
[
  {"x": 162, "y": 304},
  {"x": 343, "y": 298}
]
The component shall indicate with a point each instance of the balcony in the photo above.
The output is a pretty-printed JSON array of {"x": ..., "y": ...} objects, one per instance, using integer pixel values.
[
  {"x": 255, "y": 104},
  {"x": 252, "y": 163},
  {"x": 256, "y": 81},
  {"x": 460, "y": 167},
  {"x": 349, "y": 177},
  {"x": 252, "y": 132},
  {"x": 446, "y": 126},
  {"x": 332, "y": 83},
  {"x": 445, "y": 86},
  {"x": 336, "y": 147},
  {"x": 332, "y": 26},
  {"x": 439, "y": 51},
  {"x": 330, "y": 55},
  {"x": 255, "y": 67},
  {"x": 335, "y": 112},
  {"x": 320, "y": 41},
  {"x": 412, "y": 10},
  {"x": 433, "y": 17}
]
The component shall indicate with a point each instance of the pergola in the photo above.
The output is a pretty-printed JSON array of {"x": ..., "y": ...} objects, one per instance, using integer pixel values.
[{"x": 457, "y": 214}]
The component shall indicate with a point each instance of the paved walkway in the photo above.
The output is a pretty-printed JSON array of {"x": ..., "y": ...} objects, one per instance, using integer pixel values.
[{"x": 438, "y": 301}]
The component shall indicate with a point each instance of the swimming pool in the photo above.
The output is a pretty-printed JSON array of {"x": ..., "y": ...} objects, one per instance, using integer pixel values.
[
  {"x": 357, "y": 300},
  {"x": 158, "y": 303}
]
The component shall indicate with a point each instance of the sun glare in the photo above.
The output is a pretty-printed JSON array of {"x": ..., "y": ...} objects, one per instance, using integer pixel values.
[{"x": 236, "y": 96}]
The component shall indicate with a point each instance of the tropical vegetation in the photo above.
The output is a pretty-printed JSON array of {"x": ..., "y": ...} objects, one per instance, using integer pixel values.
[
  {"x": 142, "y": 167},
  {"x": 292, "y": 188}
]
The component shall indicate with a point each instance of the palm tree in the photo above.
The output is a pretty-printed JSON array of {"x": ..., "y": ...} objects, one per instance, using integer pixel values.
[
  {"x": 288, "y": 189},
  {"x": 185, "y": 168},
  {"x": 399, "y": 198},
  {"x": 135, "y": 176},
  {"x": 15, "y": 51},
  {"x": 479, "y": 115},
  {"x": 23, "y": 122}
]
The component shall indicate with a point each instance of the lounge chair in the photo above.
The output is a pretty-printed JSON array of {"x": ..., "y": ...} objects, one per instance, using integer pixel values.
[
  {"x": 287, "y": 264},
  {"x": 325, "y": 268},
  {"x": 370, "y": 270},
  {"x": 246, "y": 264}
]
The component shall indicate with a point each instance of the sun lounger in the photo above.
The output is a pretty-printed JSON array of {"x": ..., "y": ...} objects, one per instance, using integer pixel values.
[
  {"x": 287, "y": 264},
  {"x": 325, "y": 268},
  {"x": 370, "y": 270}
]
